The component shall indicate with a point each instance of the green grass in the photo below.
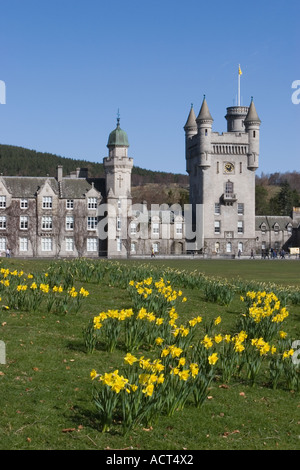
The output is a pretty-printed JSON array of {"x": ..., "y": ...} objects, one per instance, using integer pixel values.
[{"x": 46, "y": 391}]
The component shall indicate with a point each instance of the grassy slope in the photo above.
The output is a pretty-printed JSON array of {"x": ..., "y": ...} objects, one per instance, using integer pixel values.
[{"x": 46, "y": 390}]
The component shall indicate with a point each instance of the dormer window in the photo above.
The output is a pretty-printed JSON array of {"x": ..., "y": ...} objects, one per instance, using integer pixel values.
[{"x": 276, "y": 228}]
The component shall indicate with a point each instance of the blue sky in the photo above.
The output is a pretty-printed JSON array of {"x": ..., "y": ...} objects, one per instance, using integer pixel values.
[{"x": 69, "y": 65}]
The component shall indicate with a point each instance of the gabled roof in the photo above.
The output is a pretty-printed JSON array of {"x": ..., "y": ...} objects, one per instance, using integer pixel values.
[
  {"x": 28, "y": 186},
  {"x": 69, "y": 188}
]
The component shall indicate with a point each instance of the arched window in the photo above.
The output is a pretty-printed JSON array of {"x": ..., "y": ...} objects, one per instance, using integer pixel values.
[{"x": 228, "y": 247}]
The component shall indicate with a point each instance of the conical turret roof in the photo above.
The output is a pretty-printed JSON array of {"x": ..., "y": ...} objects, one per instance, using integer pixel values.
[
  {"x": 252, "y": 115},
  {"x": 204, "y": 114},
  {"x": 191, "y": 120}
]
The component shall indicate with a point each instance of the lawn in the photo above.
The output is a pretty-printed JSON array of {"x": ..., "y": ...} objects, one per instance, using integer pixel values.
[{"x": 47, "y": 392}]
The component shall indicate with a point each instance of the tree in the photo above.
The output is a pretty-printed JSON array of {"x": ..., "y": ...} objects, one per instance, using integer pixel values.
[{"x": 285, "y": 200}]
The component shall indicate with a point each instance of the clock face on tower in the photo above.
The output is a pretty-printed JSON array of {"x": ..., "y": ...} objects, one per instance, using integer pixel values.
[{"x": 229, "y": 167}]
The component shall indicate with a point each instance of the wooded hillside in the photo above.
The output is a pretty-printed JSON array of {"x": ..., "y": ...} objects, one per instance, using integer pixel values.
[{"x": 276, "y": 193}]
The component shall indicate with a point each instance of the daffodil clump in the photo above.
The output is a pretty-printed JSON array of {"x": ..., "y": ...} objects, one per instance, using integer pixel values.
[
  {"x": 183, "y": 364},
  {"x": 264, "y": 314},
  {"x": 158, "y": 296},
  {"x": 30, "y": 293}
]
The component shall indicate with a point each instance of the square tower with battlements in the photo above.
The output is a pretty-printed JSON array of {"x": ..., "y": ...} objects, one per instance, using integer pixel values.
[{"x": 221, "y": 168}]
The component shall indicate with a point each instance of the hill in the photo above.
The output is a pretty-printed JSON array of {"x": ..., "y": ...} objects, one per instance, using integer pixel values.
[{"x": 155, "y": 187}]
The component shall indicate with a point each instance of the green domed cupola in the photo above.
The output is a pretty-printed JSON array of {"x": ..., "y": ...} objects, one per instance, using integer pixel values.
[{"x": 118, "y": 137}]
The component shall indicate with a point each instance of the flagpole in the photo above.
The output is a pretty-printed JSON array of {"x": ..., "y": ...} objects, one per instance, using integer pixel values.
[{"x": 239, "y": 88}]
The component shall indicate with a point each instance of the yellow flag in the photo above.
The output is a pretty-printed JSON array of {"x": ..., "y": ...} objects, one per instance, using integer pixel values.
[{"x": 240, "y": 72}]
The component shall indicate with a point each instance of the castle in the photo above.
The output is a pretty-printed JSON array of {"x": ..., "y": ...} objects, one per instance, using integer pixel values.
[{"x": 75, "y": 215}]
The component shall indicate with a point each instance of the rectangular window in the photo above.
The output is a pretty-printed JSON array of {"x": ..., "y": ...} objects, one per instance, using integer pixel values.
[
  {"x": 240, "y": 226},
  {"x": 69, "y": 204},
  {"x": 92, "y": 244},
  {"x": 118, "y": 223},
  {"x": 228, "y": 188},
  {"x": 92, "y": 223},
  {"x": 155, "y": 247},
  {"x": 240, "y": 209},
  {"x": 179, "y": 229},
  {"x": 23, "y": 244},
  {"x": 24, "y": 222},
  {"x": 24, "y": 203},
  {"x": 217, "y": 208},
  {"x": 133, "y": 228},
  {"x": 217, "y": 226},
  {"x": 119, "y": 244},
  {"x": 2, "y": 201},
  {"x": 92, "y": 203},
  {"x": 2, "y": 222},
  {"x": 133, "y": 247},
  {"x": 46, "y": 244},
  {"x": 2, "y": 243},
  {"x": 47, "y": 222},
  {"x": 47, "y": 202},
  {"x": 69, "y": 222},
  {"x": 155, "y": 229},
  {"x": 69, "y": 244}
]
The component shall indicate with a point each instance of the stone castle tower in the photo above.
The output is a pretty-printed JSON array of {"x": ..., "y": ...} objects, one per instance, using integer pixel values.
[
  {"x": 118, "y": 168},
  {"x": 221, "y": 170}
]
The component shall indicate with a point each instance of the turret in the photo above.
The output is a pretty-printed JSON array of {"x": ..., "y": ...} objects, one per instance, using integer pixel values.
[
  {"x": 252, "y": 125},
  {"x": 190, "y": 129},
  {"x": 117, "y": 165},
  {"x": 235, "y": 118},
  {"x": 204, "y": 124}
]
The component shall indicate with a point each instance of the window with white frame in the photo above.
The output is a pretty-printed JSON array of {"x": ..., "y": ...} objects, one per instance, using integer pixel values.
[
  {"x": 70, "y": 204},
  {"x": 240, "y": 226},
  {"x": 46, "y": 222},
  {"x": 2, "y": 243},
  {"x": 47, "y": 244},
  {"x": 155, "y": 228},
  {"x": 217, "y": 226},
  {"x": 155, "y": 247},
  {"x": 2, "y": 222},
  {"x": 276, "y": 228},
  {"x": 92, "y": 203},
  {"x": 240, "y": 208},
  {"x": 179, "y": 229},
  {"x": 217, "y": 208},
  {"x": 47, "y": 202},
  {"x": 69, "y": 244},
  {"x": 24, "y": 222},
  {"x": 69, "y": 222},
  {"x": 92, "y": 223},
  {"x": 119, "y": 244},
  {"x": 23, "y": 244},
  {"x": 2, "y": 201},
  {"x": 240, "y": 247},
  {"x": 133, "y": 228},
  {"x": 24, "y": 203},
  {"x": 217, "y": 247},
  {"x": 228, "y": 247},
  {"x": 133, "y": 247},
  {"x": 91, "y": 244},
  {"x": 118, "y": 223}
]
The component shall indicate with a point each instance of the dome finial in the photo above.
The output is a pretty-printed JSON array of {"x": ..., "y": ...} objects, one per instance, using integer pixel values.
[{"x": 118, "y": 118}]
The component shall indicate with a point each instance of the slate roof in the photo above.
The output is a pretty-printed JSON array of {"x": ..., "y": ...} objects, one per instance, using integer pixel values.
[
  {"x": 69, "y": 188},
  {"x": 271, "y": 220}
]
